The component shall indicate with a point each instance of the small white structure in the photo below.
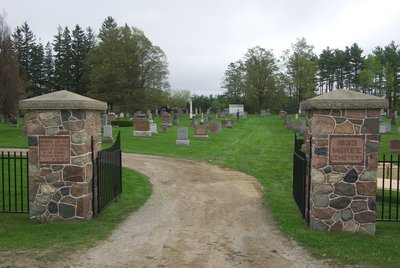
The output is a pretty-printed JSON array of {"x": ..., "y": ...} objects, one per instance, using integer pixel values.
[{"x": 233, "y": 108}]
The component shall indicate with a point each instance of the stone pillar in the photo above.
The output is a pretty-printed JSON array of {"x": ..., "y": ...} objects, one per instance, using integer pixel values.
[
  {"x": 60, "y": 127},
  {"x": 343, "y": 129}
]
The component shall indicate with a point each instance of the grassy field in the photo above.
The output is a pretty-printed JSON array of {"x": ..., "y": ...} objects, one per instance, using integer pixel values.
[
  {"x": 46, "y": 241},
  {"x": 262, "y": 147}
]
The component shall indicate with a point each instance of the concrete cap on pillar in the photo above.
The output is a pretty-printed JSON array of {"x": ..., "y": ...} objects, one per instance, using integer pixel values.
[
  {"x": 62, "y": 100},
  {"x": 344, "y": 99}
]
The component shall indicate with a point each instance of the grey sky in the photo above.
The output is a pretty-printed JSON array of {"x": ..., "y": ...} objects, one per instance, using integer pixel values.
[{"x": 200, "y": 38}]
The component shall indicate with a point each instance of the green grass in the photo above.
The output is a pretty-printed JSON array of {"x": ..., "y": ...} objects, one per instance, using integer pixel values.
[
  {"x": 262, "y": 147},
  {"x": 44, "y": 241},
  {"x": 13, "y": 183},
  {"x": 12, "y": 137}
]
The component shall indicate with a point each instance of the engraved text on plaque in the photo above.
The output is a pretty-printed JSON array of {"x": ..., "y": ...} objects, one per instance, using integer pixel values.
[
  {"x": 54, "y": 149},
  {"x": 346, "y": 150}
]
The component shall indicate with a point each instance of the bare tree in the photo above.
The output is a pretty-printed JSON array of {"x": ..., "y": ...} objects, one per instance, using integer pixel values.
[{"x": 10, "y": 82}]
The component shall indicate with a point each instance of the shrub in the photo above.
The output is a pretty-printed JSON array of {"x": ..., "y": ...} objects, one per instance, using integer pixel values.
[{"x": 122, "y": 123}]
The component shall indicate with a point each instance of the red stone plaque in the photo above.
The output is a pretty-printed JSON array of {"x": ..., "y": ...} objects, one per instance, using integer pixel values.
[
  {"x": 346, "y": 150},
  {"x": 200, "y": 130},
  {"x": 142, "y": 125},
  {"x": 54, "y": 149}
]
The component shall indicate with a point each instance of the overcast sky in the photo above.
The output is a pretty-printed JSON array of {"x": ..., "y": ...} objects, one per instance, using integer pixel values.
[{"x": 200, "y": 38}]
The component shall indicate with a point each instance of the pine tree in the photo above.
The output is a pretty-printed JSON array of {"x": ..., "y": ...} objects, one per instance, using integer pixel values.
[
  {"x": 78, "y": 52},
  {"x": 48, "y": 69},
  {"x": 63, "y": 59},
  {"x": 10, "y": 82},
  {"x": 28, "y": 57}
]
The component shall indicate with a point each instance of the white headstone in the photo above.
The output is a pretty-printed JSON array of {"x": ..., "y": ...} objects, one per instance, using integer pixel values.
[
  {"x": 183, "y": 137},
  {"x": 107, "y": 134},
  {"x": 122, "y": 115},
  {"x": 153, "y": 128}
]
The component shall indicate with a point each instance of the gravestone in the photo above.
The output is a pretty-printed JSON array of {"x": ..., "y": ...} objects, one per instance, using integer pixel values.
[
  {"x": 166, "y": 120},
  {"x": 164, "y": 128},
  {"x": 142, "y": 128},
  {"x": 219, "y": 127},
  {"x": 183, "y": 137},
  {"x": 107, "y": 134},
  {"x": 110, "y": 117},
  {"x": 282, "y": 114},
  {"x": 14, "y": 122},
  {"x": 394, "y": 146},
  {"x": 200, "y": 132},
  {"x": 289, "y": 124},
  {"x": 385, "y": 128},
  {"x": 229, "y": 123},
  {"x": 298, "y": 126},
  {"x": 149, "y": 115},
  {"x": 153, "y": 128},
  {"x": 175, "y": 120},
  {"x": 343, "y": 134},
  {"x": 121, "y": 115},
  {"x": 61, "y": 127},
  {"x": 214, "y": 128},
  {"x": 263, "y": 112},
  {"x": 104, "y": 119}
]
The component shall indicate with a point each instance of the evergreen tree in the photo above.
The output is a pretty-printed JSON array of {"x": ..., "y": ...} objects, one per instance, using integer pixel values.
[
  {"x": 79, "y": 53},
  {"x": 63, "y": 59},
  {"x": 356, "y": 61},
  {"x": 125, "y": 66},
  {"x": 30, "y": 58},
  {"x": 233, "y": 82},
  {"x": 10, "y": 82},
  {"x": 326, "y": 64},
  {"x": 48, "y": 69}
]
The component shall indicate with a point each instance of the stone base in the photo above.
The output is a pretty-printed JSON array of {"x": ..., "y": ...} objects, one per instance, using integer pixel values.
[
  {"x": 108, "y": 140},
  {"x": 200, "y": 137},
  {"x": 166, "y": 124},
  {"x": 182, "y": 142},
  {"x": 142, "y": 133}
]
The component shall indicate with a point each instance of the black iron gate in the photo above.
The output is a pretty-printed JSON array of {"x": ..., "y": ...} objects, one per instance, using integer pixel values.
[
  {"x": 14, "y": 182},
  {"x": 300, "y": 186},
  {"x": 107, "y": 176},
  {"x": 388, "y": 195}
]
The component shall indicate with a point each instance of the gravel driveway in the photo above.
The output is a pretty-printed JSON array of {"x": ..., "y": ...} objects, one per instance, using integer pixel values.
[{"x": 199, "y": 215}]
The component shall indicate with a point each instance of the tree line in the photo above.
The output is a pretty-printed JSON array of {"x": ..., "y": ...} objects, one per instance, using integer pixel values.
[
  {"x": 119, "y": 65},
  {"x": 260, "y": 80}
]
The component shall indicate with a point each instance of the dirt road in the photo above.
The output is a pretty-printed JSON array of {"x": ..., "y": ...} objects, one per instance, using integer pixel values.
[{"x": 199, "y": 215}]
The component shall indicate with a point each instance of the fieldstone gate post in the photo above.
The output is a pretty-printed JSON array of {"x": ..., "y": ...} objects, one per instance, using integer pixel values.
[
  {"x": 343, "y": 129},
  {"x": 60, "y": 126}
]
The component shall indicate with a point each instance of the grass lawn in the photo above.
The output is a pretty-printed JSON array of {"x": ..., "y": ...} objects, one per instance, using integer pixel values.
[
  {"x": 262, "y": 147},
  {"x": 57, "y": 239}
]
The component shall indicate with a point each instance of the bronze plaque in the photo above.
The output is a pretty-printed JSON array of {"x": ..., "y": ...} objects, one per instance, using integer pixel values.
[
  {"x": 54, "y": 149},
  {"x": 346, "y": 150},
  {"x": 200, "y": 130},
  {"x": 142, "y": 125}
]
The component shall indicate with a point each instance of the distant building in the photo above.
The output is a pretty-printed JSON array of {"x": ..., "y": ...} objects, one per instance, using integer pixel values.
[{"x": 233, "y": 108}]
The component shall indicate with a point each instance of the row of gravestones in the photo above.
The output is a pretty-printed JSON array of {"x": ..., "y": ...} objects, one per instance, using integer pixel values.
[
  {"x": 296, "y": 125},
  {"x": 386, "y": 128}
]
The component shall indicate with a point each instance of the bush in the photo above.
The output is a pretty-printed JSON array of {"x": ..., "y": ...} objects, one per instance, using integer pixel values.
[{"x": 122, "y": 123}]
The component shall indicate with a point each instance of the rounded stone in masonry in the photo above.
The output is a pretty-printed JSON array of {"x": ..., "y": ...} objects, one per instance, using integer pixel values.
[{"x": 351, "y": 176}]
